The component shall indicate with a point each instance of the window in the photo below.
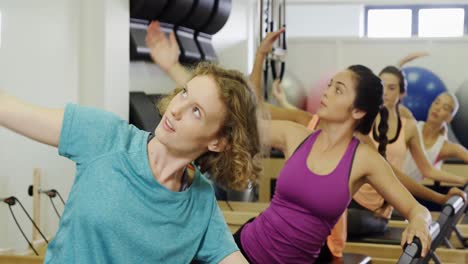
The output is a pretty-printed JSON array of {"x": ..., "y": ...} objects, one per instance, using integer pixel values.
[
  {"x": 303, "y": 20},
  {"x": 441, "y": 22},
  {"x": 416, "y": 20},
  {"x": 389, "y": 23}
]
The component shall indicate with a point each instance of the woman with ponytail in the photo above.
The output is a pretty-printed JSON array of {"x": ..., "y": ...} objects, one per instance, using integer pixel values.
[
  {"x": 369, "y": 212},
  {"x": 393, "y": 134},
  {"x": 367, "y": 93},
  {"x": 367, "y": 100},
  {"x": 323, "y": 170}
]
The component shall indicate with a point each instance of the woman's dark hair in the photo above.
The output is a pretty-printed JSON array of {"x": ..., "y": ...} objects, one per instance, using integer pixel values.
[
  {"x": 403, "y": 85},
  {"x": 398, "y": 73},
  {"x": 369, "y": 98}
]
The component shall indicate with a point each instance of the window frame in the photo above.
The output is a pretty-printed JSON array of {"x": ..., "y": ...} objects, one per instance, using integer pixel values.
[{"x": 415, "y": 15}]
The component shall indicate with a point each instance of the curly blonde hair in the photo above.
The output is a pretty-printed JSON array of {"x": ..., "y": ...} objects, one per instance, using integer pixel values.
[{"x": 240, "y": 163}]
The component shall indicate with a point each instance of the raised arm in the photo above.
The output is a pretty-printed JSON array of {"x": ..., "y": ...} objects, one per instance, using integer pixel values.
[
  {"x": 35, "y": 122},
  {"x": 277, "y": 113},
  {"x": 423, "y": 164},
  {"x": 381, "y": 177},
  {"x": 411, "y": 57},
  {"x": 262, "y": 52},
  {"x": 165, "y": 52}
]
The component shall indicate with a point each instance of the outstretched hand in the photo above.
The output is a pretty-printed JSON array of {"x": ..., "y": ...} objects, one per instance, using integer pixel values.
[
  {"x": 267, "y": 43},
  {"x": 417, "y": 228},
  {"x": 163, "y": 50}
]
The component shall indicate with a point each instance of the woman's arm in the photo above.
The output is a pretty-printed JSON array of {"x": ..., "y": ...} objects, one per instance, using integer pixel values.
[
  {"x": 286, "y": 136},
  {"x": 165, "y": 52},
  {"x": 411, "y": 57},
  {"x": 262, "y": 51},
  {"x": 294, "y": 115},
  {"x": 418, "y": 190},
  {"x": 423, "y": 164},
  {"x": 234, "y": 258},
  {"x": 280, "y": 96},
  {"x": 277, "y": 113},
  {"x": 381, "y": 177},
  {"x": 38, "y": 123},
  {"x": 453, "y": 150}
]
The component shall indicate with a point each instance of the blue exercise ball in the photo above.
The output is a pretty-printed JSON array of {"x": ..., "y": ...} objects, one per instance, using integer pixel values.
[
  {"x": 460, "y": 121},
  {"x": 423, "y": 87}
]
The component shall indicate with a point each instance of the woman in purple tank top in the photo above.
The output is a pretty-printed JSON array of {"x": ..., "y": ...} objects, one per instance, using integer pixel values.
[
  {"x": 357, "y": 219},
  {"x": 322, "y": 172}
]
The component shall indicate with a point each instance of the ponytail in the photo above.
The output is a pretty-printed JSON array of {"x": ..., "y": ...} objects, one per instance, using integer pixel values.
[
  {"x": 381, "y": 137},
  {"x": 383, "y": 129}
]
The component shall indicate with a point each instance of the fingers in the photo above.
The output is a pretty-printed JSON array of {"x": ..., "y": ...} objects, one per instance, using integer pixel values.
[
  {"x": 424, "y": 237},
  {"x": 409, "y": 237},
  {"x": 277, "y": 33},
  {"x": 403, "y": 238},
  {"x": 154, "y": 34},
  {"x": 172, "y": 39},
  {"x": 281, "y": 30},
  {"x": 426, "y": 244},
  {"x": 273, "y": 36},
  {"x": 460, "y": 193},
  {"x": 154, "y": 29},
  {"x": 154, "y": 25},
  {"x": 455, "y": 191}
]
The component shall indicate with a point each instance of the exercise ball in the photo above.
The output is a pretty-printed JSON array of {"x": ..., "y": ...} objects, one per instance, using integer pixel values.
[
  {"x": 316, "y": 91},
  {"x": 460, "y": 121},
  {"x": 423, "y": 87},
  {"x": 293, "y": 88}
]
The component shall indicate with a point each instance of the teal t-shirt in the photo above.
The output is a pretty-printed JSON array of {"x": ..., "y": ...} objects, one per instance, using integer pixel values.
[{"x": 118, "y": 213}]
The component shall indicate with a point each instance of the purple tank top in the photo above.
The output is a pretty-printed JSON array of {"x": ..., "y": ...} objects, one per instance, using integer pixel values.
[{"x": 304, "y": 209}]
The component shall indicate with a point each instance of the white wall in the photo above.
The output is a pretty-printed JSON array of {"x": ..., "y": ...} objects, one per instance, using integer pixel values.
[
  {"x": 104, "y": 55},
  {"x": 53, "y": 52},
  {"x": 38, "y": 63}
]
